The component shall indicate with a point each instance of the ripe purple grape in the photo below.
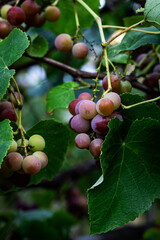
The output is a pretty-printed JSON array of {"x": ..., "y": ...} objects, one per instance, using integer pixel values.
[
  {"x": 115, "y": 98},
  {"x": 153, "y": 80},
  {"x": 30, "y": 8},
  {"x": 82, "y": 140},
  {"x": 16, "y": 16},
  {"x": 87, "y": 109},
  {"x": 79, "y": 124},
  {"x": 63, "y": 42},
  {"x": 104, "y": 106},
  {"x": 37, "y": 20},
  {"x": 8, "y": 114},
  {"x": 116, "y": 114},
  {"x": 13, "y": 100},
  {"x": 95, "y": 147},
  {"x": 115, "y": 82},
  {"x": 99, "y": 124},
  {"x": 145, "y": 62},
  {"x": 5, "y": 105},
  {"x": 72, "y": 106},
  {"x": 14, "y": 161},
  {"x": 5, "y": 29},
  {"x": 31, "y": 164},
  {"x": 43, "y": 158},
  {"x": 85, "y": 96},
  {"x": 80, "y": 50},
  {"x": 156, "y": 68},
  {"x": 52, "y": 13}
]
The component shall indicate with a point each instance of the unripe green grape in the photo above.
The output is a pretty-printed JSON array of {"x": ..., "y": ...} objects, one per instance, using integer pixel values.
[
  {"x": 13, "y": 147},
  {"x": 14, "y": 161},
  {"x": 63, "y": 42},
  {"x": 115, "y": 98},
  {"x": 52, "y": 13},
  {"x": 43, "y": 158},
  {"x": 36, "y": 142},
  {"x": 125, "y": 86},
  {"x": 4, "y": 10},
  {"x": 31, "y": 164},
  {"x": 19, "y": 142}
]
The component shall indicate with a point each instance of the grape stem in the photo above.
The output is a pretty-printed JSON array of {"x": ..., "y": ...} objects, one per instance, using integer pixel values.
[
  {"x": 132, "y": 29},
  {"x": 99, "y": 23},
  {"x": 124, "y": 31},
  {"x": 55, "y": 3},
  {"x": 76, "y": 19},
  {"x": 140, "y": 103}
]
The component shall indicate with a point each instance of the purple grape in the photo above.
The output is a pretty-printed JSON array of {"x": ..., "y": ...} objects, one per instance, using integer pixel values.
[
  {"x": 8, "y": 114},
  {"x": 87, "y": 109},
  {"x": 99, "y": 124},
  {"x": 16, "y": 16},
  {"x": 5, "y": 105},
  {"x": 157, "y": 68},
  {"x": 82, "y": 140},
  {"x": 116, "y": 114},
  {"x": 79, "y": 124},
  {"x": 72, "y": 106},
  {"x": 85, "y": 96},
  {"x": 95, "y": 147}
]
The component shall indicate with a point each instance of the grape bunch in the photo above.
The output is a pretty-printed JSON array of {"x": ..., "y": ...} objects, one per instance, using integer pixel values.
[
  {"x": 17, "y": 166},
  {"x": 28, "y": 13},
  {"x": 90, "y": 120}
]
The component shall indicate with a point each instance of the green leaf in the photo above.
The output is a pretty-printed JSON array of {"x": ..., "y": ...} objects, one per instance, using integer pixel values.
[
  {"x": 134, "y": 40},
  {"x": 151, "y": 12},
  {"x": 5, "y": 76},
  {"x": 61, "y": 96},
  {"x": 120, "y": 58},
  {"x": 131, "y": 176},
  {"x": 6, "y": 138},
  {"x": 12, "y": 47},
  {"x": 38, "y": 47},
  {"x": 128, "y": 21},
  {"x": 66, "y": 22},
  {"x": 56, "y": 136}
]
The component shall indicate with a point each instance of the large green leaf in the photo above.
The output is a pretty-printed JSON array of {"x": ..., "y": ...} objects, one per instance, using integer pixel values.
[
  {"x": 134, "y": 40},
  {"x": 6, "y": 138},
  {"x": 56, "y": 136},
  {"x": 131, "y": 176},
  {"x": 61, "y": 96},
  {"x": 151, "y": 12},
  {"x": 66, "y": 22},
  {"x": 38, "y": 47},
  {"x": 12, "y": 47}
]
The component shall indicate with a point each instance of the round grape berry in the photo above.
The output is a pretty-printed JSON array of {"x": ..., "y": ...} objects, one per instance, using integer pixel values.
[
  {"x": 5, "y": 105},
  {"x": 8, "y": 114},
  {"x": 87, "y": 109},
  {"x": 104, "y": 106},
  {"x": 125, "y": 86},
  {"x": 16, "y": 16},
  {"x": 13, "y": 147},
  {"x": 115, "y": 82},
  {"x": 85, "y": 96},
  {"x": 14, "y": 161},
  {"x": 99, "y": 124},
  {"x": 63, "y": 42},
  {"x": 80, "y": 50},
  {"x": 72, "y": 106},
  {"x": 5, "y": 29},
  {"x": 52, "y": 13},
  {"x": 43, "y": 158},
  {"x": 95, "y": 147},
  {"x": 13, "y": 100},
  {"x": 79, "y": 124},
  {"x": 30, "y": 8},
  {"x": 31, "y": 164},
  {"x": 82, "y": 140},
  {"x": 4, "y": 10},
  {"x": 115, "y": 98},
  {"x": 36, "y": 142}
]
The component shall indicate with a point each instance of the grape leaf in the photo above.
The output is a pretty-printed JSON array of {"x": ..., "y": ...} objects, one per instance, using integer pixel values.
[
  {"x": 131, "y": 176},
  {"x": 66, "y": 22},
  {"x": 56, "y": 136},
  {"x": 61, "y": 96},
  {"x": 12, "y": 47},
  {"x": 133, "y": 40},
  {"x": 6, "y": 138},
  {"x": 151, "y": 12},
  {"x": 38, "y": 47}
]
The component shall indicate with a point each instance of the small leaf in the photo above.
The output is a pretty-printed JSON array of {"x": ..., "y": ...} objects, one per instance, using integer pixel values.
[
  {"x": 12, "y": 47},
  {"x": 151, "y": 12},
  {"x": 6, "y": 138},
  {"x": 131, "y": 176},
  {"x": 56, "y": 137},
  {"x": 133, "y": 40},
  {"x": 38, "y": 47},
  {"x": 61, "y": 96}
]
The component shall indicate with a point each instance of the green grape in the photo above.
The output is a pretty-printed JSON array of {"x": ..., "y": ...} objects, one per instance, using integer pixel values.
[{"x": 37, "y": 143}]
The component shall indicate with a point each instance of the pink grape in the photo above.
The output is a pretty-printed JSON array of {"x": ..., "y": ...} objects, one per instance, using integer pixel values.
[
  {"x": 115, "y": 98},
  {"x": 82, "y": 140},
  {"x": 79, "y": 124},
  {"x": 80, "y": 50},
  {"x": 104, "y": 106},
  {"x": 87, "y": 109},
  {"x": 63, "y": 42},
  {"x": 95, "y": 147},
  {"x": 14, "y": 161},
  {"x": 85, "y": 96},
  {"x": 115, "y": 82},
  {"x": 31, "y": 164},
  {"x": 116, "y": 114},
  {"x": 77, "y": 107},
  {"x": 43, "y": 158}
]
